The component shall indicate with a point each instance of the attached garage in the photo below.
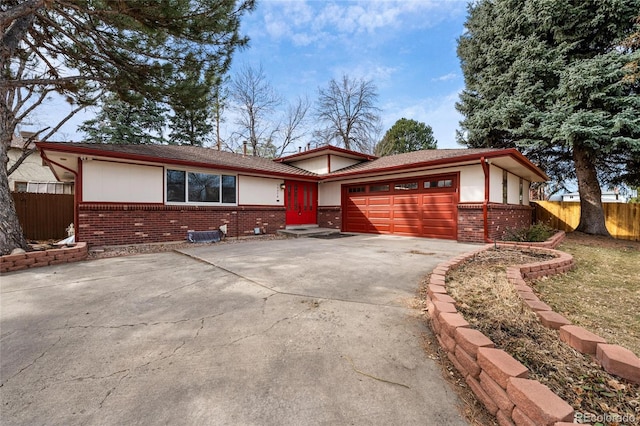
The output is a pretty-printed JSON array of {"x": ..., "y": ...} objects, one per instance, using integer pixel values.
[{"x": 420, "y": 207}]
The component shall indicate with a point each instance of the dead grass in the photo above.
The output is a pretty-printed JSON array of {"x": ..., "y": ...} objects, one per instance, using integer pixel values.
[
  {"x": 490, "y": 304},
  {"x": 602, "y": 294},
  {"x": 471, "y": 408}
]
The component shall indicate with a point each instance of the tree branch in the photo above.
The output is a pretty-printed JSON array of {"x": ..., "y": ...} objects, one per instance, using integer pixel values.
[{"x": 19, "y": 11}]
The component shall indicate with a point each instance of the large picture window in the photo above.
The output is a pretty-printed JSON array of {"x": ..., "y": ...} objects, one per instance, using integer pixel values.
[{"x": 200, "y": 188}]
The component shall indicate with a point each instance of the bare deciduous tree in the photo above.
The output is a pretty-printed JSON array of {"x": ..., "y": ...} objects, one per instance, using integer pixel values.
[
  {"x": 292, "y": 128},
  {"x": 348, "y": 111},
  {"x": 255, "y": 102}
]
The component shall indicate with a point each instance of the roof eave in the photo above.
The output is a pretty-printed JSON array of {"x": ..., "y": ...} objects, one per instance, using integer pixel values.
[
  {"x": 448, "y": 161},
  {"x": 82, "y": 150}
]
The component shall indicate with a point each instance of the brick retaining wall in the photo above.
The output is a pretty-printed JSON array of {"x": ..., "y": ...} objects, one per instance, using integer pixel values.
[{"x": 34, "y": 259}]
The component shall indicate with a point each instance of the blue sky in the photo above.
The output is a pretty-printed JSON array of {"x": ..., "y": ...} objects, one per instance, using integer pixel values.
[{"x": 407, "y": 48}]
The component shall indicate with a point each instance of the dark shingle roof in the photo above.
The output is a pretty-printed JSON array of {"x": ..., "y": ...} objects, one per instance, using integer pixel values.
[
  {"x": 183, "y": 154},
  {"x": 211, "y": 158},
  {"x": 410, "y": 159}
]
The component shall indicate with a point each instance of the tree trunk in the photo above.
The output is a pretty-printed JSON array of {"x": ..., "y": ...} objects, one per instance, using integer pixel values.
[
  {"x": 10, "y": 230},
  {"x": 591, "y": 211}
]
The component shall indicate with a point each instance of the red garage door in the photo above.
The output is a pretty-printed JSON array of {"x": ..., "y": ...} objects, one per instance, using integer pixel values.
[{"x": 422, "y": 207}]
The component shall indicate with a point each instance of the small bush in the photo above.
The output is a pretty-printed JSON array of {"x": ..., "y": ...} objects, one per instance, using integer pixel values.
[{"x": 533, "y": 234}]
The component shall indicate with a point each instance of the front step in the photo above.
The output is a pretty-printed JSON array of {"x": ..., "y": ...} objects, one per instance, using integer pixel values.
[{"x": 302, "y": 231}]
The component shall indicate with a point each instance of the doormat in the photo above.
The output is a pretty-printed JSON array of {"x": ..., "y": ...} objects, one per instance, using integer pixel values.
[{"x": 332, "y": 236}]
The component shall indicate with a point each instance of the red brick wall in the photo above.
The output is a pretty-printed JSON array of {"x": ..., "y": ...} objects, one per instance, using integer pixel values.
[
  {"x": 503, "y": 217},
  {"x": 500, "y": 217},
  {"x": 470, "y": 223},
  {"x": 114, "y": 224},
  {"x": 330, "y": 217}
]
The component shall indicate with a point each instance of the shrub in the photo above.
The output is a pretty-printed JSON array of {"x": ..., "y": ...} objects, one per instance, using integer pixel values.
[{"x": 535, "y": 233}]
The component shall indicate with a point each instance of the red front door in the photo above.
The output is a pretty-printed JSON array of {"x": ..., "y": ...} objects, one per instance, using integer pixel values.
[{"x": 301, "y": 202}]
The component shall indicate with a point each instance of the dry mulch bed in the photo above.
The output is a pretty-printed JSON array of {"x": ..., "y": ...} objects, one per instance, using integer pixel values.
[{"x": 490, "y": 304}]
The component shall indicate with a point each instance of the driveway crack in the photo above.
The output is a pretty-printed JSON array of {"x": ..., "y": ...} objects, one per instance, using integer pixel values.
[
  {"x": 179, "y": 288},
  {"x": 137, "y": 324},
  {"x": 284, "y": 293},
  {"x": 110, "y": 391},
  {"x": 32, "y": 362},
  {"x": 266, "y": 330}
]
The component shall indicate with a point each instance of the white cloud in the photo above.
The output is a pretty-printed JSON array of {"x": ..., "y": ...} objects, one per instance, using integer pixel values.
[
  {"x": 378, "y": 73},
  {"x": 445, "y": 77},
  {"x": 305, "y": 21}
]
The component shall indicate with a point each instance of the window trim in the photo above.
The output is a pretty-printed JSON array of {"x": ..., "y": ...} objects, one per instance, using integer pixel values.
[
  {"x": 379, "y": 188},
  {"x": 220, "y": 175},
  {"x": 521, "y": 191}
]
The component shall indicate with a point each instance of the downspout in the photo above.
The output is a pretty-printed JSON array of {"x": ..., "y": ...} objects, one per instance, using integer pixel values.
[
  {"x": 485, "y": 203},
  {"x": 76, "y": 214}
]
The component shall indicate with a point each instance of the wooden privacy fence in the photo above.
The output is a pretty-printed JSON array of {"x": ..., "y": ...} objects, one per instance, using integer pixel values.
[
  {"x": 44, "y": 216},
  {"x": 622, "y": 220}
]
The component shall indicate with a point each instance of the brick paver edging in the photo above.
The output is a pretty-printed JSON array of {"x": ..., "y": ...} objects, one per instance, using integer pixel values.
[
  {"x": 497, "y": 379},
  {"x": 34, "y": 259}
]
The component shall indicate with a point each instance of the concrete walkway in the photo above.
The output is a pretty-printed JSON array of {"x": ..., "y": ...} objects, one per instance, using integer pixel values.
[{"x": 283, "y": 332}]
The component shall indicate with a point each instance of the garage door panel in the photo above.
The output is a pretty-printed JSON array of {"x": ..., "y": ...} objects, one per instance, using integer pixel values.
[
  {"x": 406, "y": 200},
  {"x": 442, "y": 233},
  {"x": 379, "y": 201},
  {"x": 358, "y": 201},
  {"x": 437, "y": 223},
  {"x": 384, "y": 227},
  {"x": 359, "y": 227},
  {"x": 438, "y": 198},
  {"x": 407, "y": 228},
  {"x": 441, "y": 215},
  {"x": 407, "y": 215},
  {"x": 379, "y": 214}
]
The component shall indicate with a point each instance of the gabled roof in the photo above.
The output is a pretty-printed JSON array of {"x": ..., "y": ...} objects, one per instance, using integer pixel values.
[
  {"x": 183, "y": 155},
  {"x": 326, "y": 150},
  {"x": 508, "y": 159}
]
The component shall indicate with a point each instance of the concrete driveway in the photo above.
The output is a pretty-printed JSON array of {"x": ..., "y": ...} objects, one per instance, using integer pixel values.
[{"x": 282, "y": 332}]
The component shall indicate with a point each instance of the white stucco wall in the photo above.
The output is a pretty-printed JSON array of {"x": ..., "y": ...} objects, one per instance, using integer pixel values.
[
  {"x": 317, "y": 165},
  {"x": 104, "y": 181},
  {"x": 338, "y": 162},
  {"x": 260, "y": 191},
  {"x": 495, "y": 184},
  {"x": 329, "y": 194},
  {"x": 513, "y": 189},
  {"x": 472, "y": 184}
]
